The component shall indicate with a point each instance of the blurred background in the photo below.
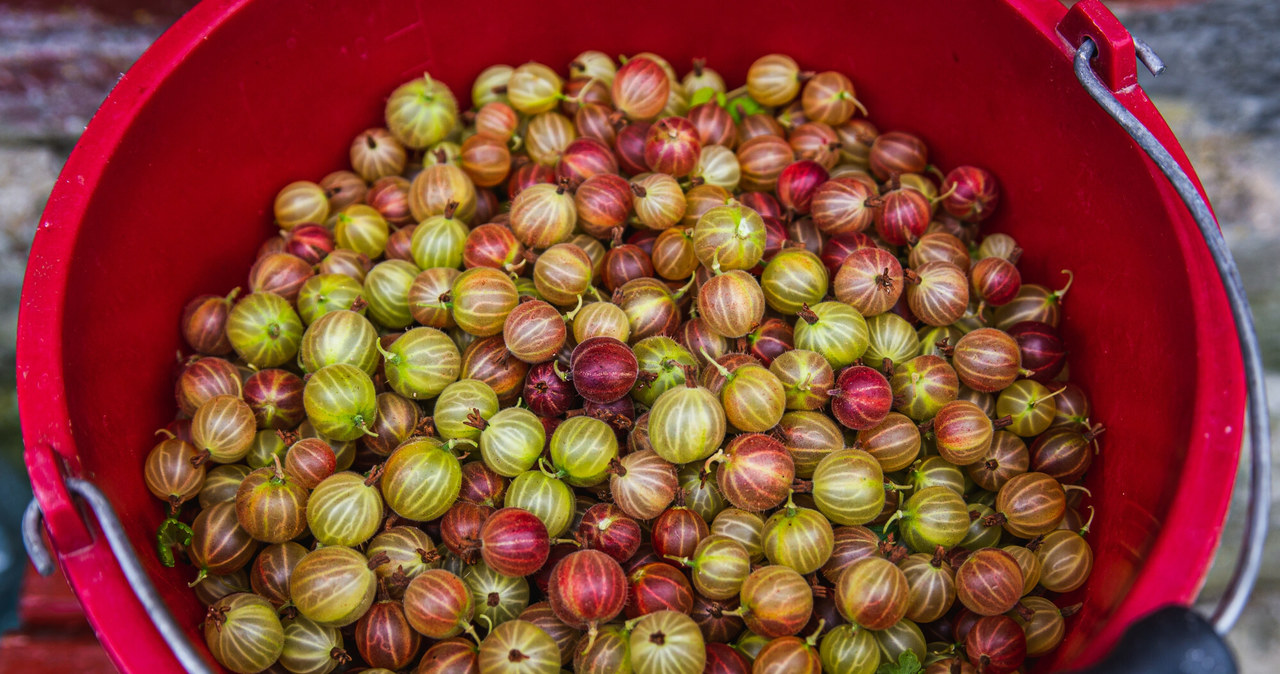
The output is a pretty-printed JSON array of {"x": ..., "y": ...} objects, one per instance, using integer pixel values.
[{"x": 1221, "y": 95}]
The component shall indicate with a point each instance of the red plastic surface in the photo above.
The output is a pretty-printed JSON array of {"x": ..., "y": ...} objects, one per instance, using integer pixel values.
[{"x": 169, "y": 192}]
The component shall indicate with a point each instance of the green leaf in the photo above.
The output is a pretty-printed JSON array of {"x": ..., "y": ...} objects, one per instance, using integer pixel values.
[
  {"x": 702, "y": 96},
  {"x": 171, "y": 533},
  {"x": 742, "y": 106},
  {"x": 721, "y": 100},
  {"x": 907, "y": 663}
]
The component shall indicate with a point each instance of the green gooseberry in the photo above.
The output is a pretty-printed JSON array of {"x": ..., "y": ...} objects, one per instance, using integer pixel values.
[
  {"x": 833, "y": 329},
  {"x": 421, "y": 363},
  {"x": 458, "y": 406},
  {"x": 341, "y": 401}
]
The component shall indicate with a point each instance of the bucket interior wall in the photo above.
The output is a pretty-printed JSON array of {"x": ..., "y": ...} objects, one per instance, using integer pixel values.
[{"x": 275, "y": 91}]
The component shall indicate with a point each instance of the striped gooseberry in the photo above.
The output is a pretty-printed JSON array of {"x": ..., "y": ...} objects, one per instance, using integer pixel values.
[
  {"x": 601, "y": 319},
  {"x": 894, "y": 442},
  {"x": 340, "y": 401},
  {"x": 1030, "y": 504},
  {"x": 687, "y": 423},
  {"x": 798, "y": 183},
  {"x": 1029, "y": 405},
  {"x": 972, "y": 193},
  {"x": 543, "y": 215},
  {"x": 775, "y": 601},
  {"x": 848, "y": 487},
  {"x": 755, "y": 471},
  {"x": 496, "y": 120},
  {"x": 673, "y": 257},
  {"x": 995, "y": 281},
  {"x": 408, "y": 551},
  {"x": 480, "y": 300},
  {"x": 221, "y": 483},
  {"x": 511, "y": 441},
  {"x": 872, "y": 593},
  {"x": 987, "y": 359},
  {"x": 204, "y": 378},
  {"x": 244, "y": 633},
  {"x": 996, "y": 644},
  {"x": 341, "y": 336},
  {"x": 583, "y": 158},
  {"x": 896, "y": 152},
  {"x": 300, "y": 202},
  {"x": 1042, "y": 623},
  {"x": 421, "y": 112},
  {"x": 793, "y": 278},
  {"x": 360, "y": 228},
  {"x": 489, "y": 360},
  {"x": 770, "y": 339},
  {"x": 438, "y": 604},
  {"x": 931, "y": 517},
  {"x": 745, "y": 527},
  {"x": 603, "y": 369},
  {"x": 732, "y": 303},
  {"x": 922, "y": 385},
  {"x": 546, "y": 137},
  {"x": 731, "y": 236},
  {"x": 581, "y": 450},
  {"x": 534, "y": 88},
  {"x": 171, "y": 474},
  {"x": 937, "y": 292},
  {"x": 492, "y": 245},
  {"x": 204, "y": 322},
  {"x": 607, "y": 528},
  {"x": 662, "y": 364},
  {"x": 1034, "y": 302},
  {"x": 650, "y": 306},
  {"x": 939, "y": 246},
  {"x": 1006, "y": 457},
  {"x": 640, "y": 88},
  {"x": 603, "y": 202},
  {"x": 222, "y": 430},
  {"x": 890, "y": 338},
  {"x": 657, "y": 586},
  {"x": 533, "y": 332},
  {"x": 717, "y": 166},
  {"x": 519, "y": 647},
  {"x": 861, "y": 397},
  {"x": 667, "y": 641},
  {"x": 935, "y": 471},
  {"x": 548, "y": 498},
  {"x": 481, "y": 486},
  {"x": 773, "y": 80},
  {"x": 962, "y": 432},
  {"x": 421, "y": 479},
  {"x": 438, "y": 186},
  {"x": 719, "y": 566},
  {"x": 931, "y": 587},
  {"x": 809, "y": 437},
  {"x": 833, "y": 329},
  {"x": 586, "y": 590},
  {"x": 275, "y": 396},
  {"x": 677, "y": 531},
  {"x": 752, "y": 397},
  {"x": 1041, "y": 349},
  {"x": 839, "y": 206},
  {"x": 901, "y": 215},
  {"x": 829, "y": 97},
  {"x": 761, "y": 162},
  {"x": 701, "y": 490},
  {"x": 219, "y": 545},
  {"x": 1065, "y": 560},
  {"x": 624, "y": 262},
  {"x": 386, "y": 290},
  {"x": 548, "y": 392},
  {"x": 345, "y": 508},
  {"x": 806, "y": 378},
  {"x": 672, "y": 146},
  {"x": 544, "y": 618},
  {"x": 1066, "y": 452},
  {"x": 850, "y": 649},
  {"x": 800, "y": 538},
  {"x": 498, "y": 598},
  {"x": 271, "y": 506},
  {"x": 311, "y": 647},
  {"x": 642, "y": 484},
  {"x": 428, "y": 297},
  {"x": 264, "y": 330},
  {"x": 384, "y": 637},
  {"x": 333, "y": 585},
  {"x": 514, "y": 542},
  {"x": 870, "y": 280},
  {"x": 658, "y": 200},
  {"x": 817, "y": 142}
]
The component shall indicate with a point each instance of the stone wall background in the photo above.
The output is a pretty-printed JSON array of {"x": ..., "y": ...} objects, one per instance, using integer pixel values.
[{"x": 1221, "y": 95}]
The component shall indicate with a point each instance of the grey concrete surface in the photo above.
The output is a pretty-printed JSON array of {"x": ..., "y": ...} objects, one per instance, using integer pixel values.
[{"x": 1221, "y": 95}]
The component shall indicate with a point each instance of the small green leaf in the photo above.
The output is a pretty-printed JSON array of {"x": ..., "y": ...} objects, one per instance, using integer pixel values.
[
  {"x": 171, "y": 533},
  {"x": 721, "y": 100},
  {"x": 702, "y": 96},
  {"x": 907, "y": 663},
  {"x": 742, "y": 106}
]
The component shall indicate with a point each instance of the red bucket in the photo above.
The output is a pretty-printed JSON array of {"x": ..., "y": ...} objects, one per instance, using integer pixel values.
[{"x": 169, "y": 193}]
